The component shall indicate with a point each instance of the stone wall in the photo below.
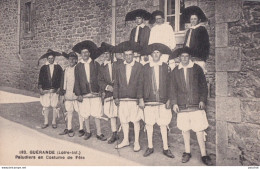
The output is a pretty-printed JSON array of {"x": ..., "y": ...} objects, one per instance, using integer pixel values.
[
  {"x": 60, "y": 24},
  {"x": 237, "y": 63}
]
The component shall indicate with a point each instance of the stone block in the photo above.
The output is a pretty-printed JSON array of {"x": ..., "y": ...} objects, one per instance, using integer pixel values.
[
  {"x": 250, "y": 111},
  {"x": 221, "y": 35},
  {"x": 221, "y": 84},
  {"x": 221, "y": 141},
  {"x": 228, "y": 11},
  {"x": 228, "y": 109},
  {"x": 228, "y": 59}
]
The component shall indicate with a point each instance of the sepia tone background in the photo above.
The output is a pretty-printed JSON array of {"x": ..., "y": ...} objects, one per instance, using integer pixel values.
[{"x": 233, "y": 65}]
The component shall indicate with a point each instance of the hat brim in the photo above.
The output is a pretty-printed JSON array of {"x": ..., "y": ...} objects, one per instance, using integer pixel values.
[
  {"x": 157, "y": 46},
  {"x": 49, "y": 53},
  {"x": 126, "y": 46},
  {"x": 193, "y": 10},
  {"x": 179, "y": 51},
  {"x": 131, "y": 16}
]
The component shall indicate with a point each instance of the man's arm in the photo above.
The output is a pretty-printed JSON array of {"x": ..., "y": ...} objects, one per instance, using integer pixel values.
[{"x": 203, "y": 88}]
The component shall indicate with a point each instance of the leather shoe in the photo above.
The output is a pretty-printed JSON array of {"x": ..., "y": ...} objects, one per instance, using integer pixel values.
[
  {"x": 148, "y": 152},
  {"x": 101, "y": 137},
  {"x": 44, "y": 126},
  {"x": 186, "y": 157},
  {"x": 87, "y": 135},
  {"x": 54, "y": 126},
  {"x": 206, "y": 160},
  {"x": 137, "y": 147},
  {"x": 168, "y": 153},
  {"x": 66, "y": 131},
  {"x": 121, "y": 145},
  {"x": 113, "y": 138},
  {"x": 81, "y": 133}
]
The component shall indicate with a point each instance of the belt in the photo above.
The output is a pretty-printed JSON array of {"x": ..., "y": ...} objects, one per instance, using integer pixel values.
[
  {"x": 50, "y": 91},
  {"x": 91, "y": 95},
  {"x": 188, "y": 108},
  {"x": 153, "y": 104}
]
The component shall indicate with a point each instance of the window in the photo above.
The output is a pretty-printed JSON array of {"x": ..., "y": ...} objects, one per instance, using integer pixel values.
[
  {"x": 27, "y": 27},
  {"x": 28, "y": 14},
  {"x": 173, "y": 10}
]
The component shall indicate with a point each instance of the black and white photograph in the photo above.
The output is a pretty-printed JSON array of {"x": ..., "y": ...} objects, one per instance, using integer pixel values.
[{"x": 129, "y": 83}]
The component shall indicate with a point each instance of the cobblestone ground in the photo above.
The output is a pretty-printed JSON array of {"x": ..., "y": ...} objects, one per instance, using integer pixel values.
[{"x": 29, "y": 115}]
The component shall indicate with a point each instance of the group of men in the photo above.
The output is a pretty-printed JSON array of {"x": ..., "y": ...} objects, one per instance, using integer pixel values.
[{"x": 131, "y": 89}]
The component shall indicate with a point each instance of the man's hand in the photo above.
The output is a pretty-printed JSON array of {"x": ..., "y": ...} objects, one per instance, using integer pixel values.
[
  {"x": 202, "y": 105},
  {"x": 176, "y": 108},
  {"x": 141, "y": 103},
  {"x": 80, "y": 98},
  {"x": 168, "y": 104},
  {"x": 109, "y": 88},
  {"x": 41, "y": 91},
  {"x": 117, "y": 102},
  {"x": 58, "y": 91},
  {"x": 103, "y": 94},
  {"x": 62, "y": 99}
]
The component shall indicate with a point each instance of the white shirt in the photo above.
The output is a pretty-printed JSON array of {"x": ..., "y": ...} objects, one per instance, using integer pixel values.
[
  {"x": 137, "y": 31},
  {"x": 109, "y": 67},
  {"x": 163, "y": 34},
  {"x": 51, "y": 67},
  {"x": 190, "y": 65},
  {"x": 156, "y": 65},
  {"x": 87, "y": 68},
  {"x": 128, "y": 70},
  {"x": 69, "y": 80}
]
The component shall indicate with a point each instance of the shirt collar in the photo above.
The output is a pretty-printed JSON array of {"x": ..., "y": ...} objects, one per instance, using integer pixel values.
[
  {"x": 142, "y": 25},
  {"x": 47, "y": 63},
  {"x": 190, "y": 65},
  {"x": 130, "y": 64},
  {"x": 152, "y": 63},
  {"x": 196, "y": 26},
  {"x": 107, "y": 62},
  {"x": 89, "y": 60}
]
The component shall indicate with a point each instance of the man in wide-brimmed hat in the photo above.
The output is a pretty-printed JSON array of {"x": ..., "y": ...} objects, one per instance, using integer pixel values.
[
  {"x": 196, "y": 38},
  {"x": 128, "y": 94},
  {"x": 188, "y": 96},
  {"x": 87, "y": 88},
  {"x": 156, "y": 98},
  {"x": 67, "y": 91},
  {"x": 49, "y": 86},
  {"x": 162, "y": 33},
  {"x": 141, "y": 32},
  {"x": 106, "y": 78}
]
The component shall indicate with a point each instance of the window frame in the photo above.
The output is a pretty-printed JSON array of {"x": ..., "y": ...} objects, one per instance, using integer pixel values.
[
  {"x": 177, "y": 14},
  {"x": 29, "y": 34}
]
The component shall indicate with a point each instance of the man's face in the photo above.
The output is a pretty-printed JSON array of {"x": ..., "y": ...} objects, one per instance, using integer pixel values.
[
  {"x": 51, "y": 59},
  {"x": 129, "y": 56},
  {"x": 185, "y": 59},
  {"x": 73, "y": 61},
  {"x": 159, "y": 20},
  {"x": 139, "y": 20},
  {"x": 107, "y": 56},
  {"x": 156, "y": 55},
  {"x": 194, "y": 20},
  {"x": 85, "y": 54}
]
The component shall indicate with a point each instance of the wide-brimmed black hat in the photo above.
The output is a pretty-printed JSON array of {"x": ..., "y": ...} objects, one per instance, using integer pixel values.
[
  {"x": 179, "y": 51},
  {"x": 154, "y": 14},
  {"x": 105, "y": 47},
  {"x": 157, "y": 46},
  {"x": 131, "y": 16},
  {"x": 71, "y": 54},
  {"x": 87, "y": 44},
  {"x": 125, "y": 46},
  {"x": 48, "y": 53},
  {"x": 193, "y": 10}
]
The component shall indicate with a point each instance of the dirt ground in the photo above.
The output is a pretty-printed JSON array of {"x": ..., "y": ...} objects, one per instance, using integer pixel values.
[{"x": 29, "y": 115}]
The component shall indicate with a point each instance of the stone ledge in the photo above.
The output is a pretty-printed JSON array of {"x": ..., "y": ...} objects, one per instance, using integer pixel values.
[
  {"x": 228, "y": 59},
  {"x": 221, "y": 84},
  {"x": 228, "y": 109}
]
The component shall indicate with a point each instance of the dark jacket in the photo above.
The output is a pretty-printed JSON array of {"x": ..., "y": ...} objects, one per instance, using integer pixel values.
[
  {"x": 45, "y": 81},
  {"x": 150, "y": 93},
  {"x": 134, "y": 89},
  {"x": 186, "y": 96},
  {"x": 104, "y": 78},
  {"x": 82, "y": 86},
  {"x": 199, "y": 42},
  {"x": 143, "y": 36}
]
